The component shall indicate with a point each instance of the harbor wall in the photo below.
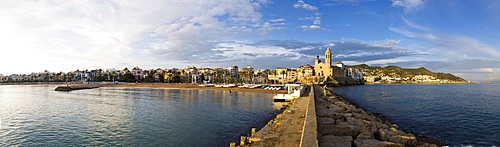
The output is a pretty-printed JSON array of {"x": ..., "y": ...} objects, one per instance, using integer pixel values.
[
  {"x": 323, "y": 118},
  {"x": 345, "y": 81},
  {"x": 76, "y": 87},
  {"x": 343, "y": 123}
]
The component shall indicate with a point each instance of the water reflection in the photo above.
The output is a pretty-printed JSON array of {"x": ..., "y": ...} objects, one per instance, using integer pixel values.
[{"x": 39, "y": 116}]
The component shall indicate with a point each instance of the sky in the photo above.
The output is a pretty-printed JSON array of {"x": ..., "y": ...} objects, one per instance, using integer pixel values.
[{"x": 458, "y": 37}]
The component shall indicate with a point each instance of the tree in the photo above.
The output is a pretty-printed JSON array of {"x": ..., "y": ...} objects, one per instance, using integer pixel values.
[
  {"x": 202, "y": 77},
  {"x": 161, "y": 76},
  {"x": 235, "y": 72},
  {"x": 129, "y": 77}
]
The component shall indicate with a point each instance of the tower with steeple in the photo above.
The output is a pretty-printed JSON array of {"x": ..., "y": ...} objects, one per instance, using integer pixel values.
[
  {"x": 324, "y": 69},
  {"x": 328, "y": 56},
  {"x": 337, "y": 74}
]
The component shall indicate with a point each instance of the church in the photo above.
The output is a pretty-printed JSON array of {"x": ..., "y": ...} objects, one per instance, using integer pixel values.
[{"x": 326, "y": 68}]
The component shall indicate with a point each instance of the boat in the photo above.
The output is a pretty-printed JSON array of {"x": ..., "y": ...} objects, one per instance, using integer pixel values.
[
  {"x": 283, "y": 98},
  {"x": 229, "y": 85},
  {"x": 294, "y": 91}
]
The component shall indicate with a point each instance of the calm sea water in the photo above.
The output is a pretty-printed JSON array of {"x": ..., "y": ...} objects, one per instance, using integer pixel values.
[
  {"x": 40, "y": 116},
  {"x": 456, "y": 114}
]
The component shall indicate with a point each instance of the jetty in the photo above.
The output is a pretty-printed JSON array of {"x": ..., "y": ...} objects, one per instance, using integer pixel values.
[
  {"x": 76, "y": 87},
  {"x": 323, "y": 118}
]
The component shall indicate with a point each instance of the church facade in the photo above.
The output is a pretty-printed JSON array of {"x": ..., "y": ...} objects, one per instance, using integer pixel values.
[{"x": 326, "y": 68}]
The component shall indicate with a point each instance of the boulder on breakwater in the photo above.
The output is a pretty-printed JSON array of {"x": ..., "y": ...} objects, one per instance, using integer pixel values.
[{"x": 343, "y": 123}]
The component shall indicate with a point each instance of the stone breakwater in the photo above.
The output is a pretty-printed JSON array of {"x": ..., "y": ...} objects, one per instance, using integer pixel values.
[
  {"x": 342, "y": 123},
  {"x": 76, "y": 87},
  {"x": 325, "y": 119}
]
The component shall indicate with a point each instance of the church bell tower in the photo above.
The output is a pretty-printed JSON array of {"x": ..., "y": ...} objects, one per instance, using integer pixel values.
[{"x": 328, "y": 57}]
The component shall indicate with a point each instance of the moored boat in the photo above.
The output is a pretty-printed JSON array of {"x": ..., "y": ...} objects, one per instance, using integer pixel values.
[{"x": 294, "y": 91}]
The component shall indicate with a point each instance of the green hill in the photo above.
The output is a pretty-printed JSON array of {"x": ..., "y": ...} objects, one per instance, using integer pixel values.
[{"x": 395, "y": 71}]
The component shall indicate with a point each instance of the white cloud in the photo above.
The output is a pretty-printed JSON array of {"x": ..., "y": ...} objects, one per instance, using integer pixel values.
[
  {"x": 68, "y": 35},
  {"x": 413, "y": 25},
  {"x": 387, "y": 43},
  {"x": 277, "y": 20},
  {"x": 302, "y": 4},
  {"x": 403, "y": 32},
  {"x": 317, "y": 22},
  {"x": 409, "y": 5},
  {"x": 487, "y": 70},
  {"x": 454, "y": 46},
  {"x": 310, "y": 27}
]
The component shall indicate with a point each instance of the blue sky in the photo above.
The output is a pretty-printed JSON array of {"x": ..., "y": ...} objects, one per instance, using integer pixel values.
[{"x": 459, "y": 37}]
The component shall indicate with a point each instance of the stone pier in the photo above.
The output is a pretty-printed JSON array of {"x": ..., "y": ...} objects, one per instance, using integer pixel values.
[
  {"x": 322, "y": 118},
  {"x": 295, "y": 126}
]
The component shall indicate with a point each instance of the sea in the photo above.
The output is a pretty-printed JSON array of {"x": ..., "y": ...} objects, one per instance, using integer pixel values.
[
  {"x": 33, "y": 115},
  {"x": 456, "y": 114}
]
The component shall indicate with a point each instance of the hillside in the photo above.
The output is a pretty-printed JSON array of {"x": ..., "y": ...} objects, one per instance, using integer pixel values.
[{"x": 406, "y": 74}]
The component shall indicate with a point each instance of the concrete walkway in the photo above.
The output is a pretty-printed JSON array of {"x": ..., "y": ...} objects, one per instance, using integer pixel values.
[{"x": 286, "y": 130}]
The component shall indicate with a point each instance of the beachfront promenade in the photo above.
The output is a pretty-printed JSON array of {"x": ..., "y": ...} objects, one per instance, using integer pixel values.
[{"x": 319, "y": 119}]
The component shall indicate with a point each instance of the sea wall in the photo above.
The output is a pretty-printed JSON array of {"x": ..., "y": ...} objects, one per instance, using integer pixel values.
[
  {"x": 323, "y": 118},
  {"x": 343, "y": 123},
  {"x": 76, "y": 87},
  {"x": 344, "y": 81}
]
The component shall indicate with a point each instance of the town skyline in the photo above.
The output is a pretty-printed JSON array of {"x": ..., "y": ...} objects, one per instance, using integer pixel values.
[{"x": 458, "y": 37}]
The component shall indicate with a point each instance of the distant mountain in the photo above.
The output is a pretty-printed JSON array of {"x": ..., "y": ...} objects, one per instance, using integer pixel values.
[{"x": 395, "y": 71}]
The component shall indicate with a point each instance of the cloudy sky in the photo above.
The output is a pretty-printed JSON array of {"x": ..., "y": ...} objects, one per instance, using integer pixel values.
[{"x": 459, "y": 36}]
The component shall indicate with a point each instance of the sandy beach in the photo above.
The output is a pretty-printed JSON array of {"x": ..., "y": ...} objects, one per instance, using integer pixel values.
[{"x": 193, "y": 86}]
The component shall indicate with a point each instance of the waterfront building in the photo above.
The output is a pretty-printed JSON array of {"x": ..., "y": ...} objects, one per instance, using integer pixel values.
[
  {"x": 248, "y": 68},
  {"x": 305, "y": 71},
  {"x": 192, "y": 73},
  {"x": 138, "y": 73}
]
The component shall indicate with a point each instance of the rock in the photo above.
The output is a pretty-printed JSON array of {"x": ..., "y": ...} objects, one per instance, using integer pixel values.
[
  {"x": 356, "y": 121},
  {"x": 375, "y": 143},
  {"x": 427, "y": 145},
  {"x": 334, "y": 108},
  {"x": 347, "y": 114},
  {"x": 366, "y": 135},
  {"x": 326, "y": 121},
  {"x": 338, "y": 130},
  {"x": 352, "y": 108},
  {"x": 339, "y": 103},
  {"x": 380, "y": 125},
  {"x": 323, "y": 113},
  {"x": 364, "y": 116},
  {"x": 335, "y": 141},
  {"x": 395, "y": 135}
]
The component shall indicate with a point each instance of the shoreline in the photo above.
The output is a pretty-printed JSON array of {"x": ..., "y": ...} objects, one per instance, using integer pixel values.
[
  {"x": 161, "y": 85},
  {"x": 429, "y": 83},
  {"x": 194, "y": 87}
]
